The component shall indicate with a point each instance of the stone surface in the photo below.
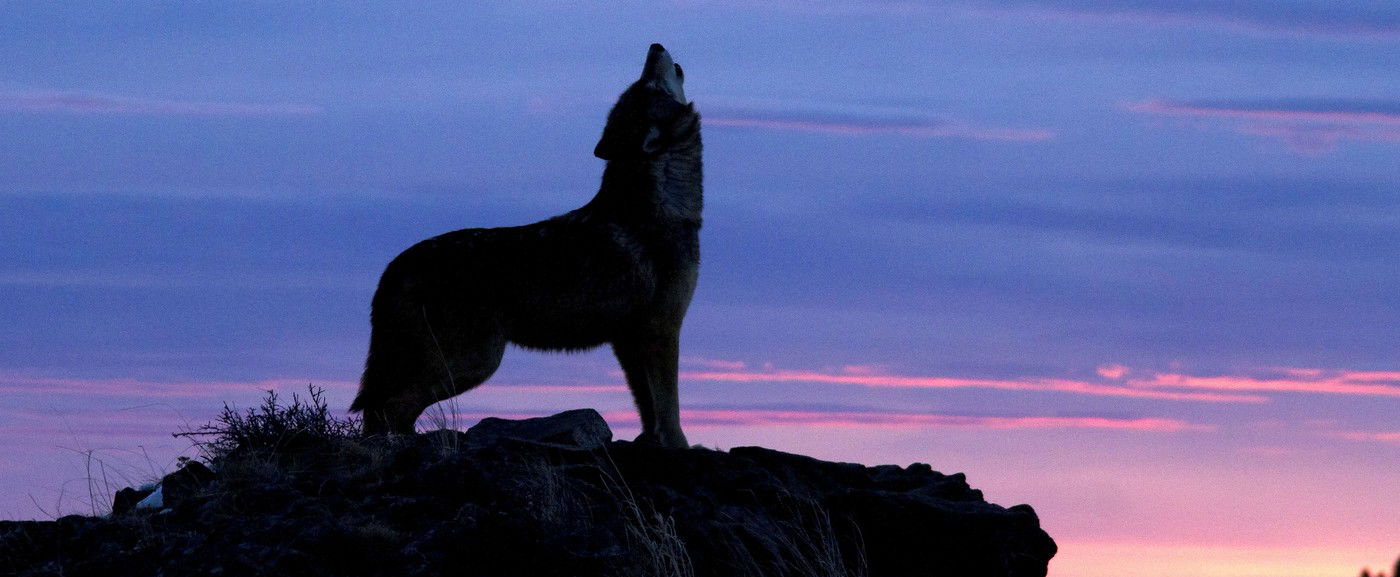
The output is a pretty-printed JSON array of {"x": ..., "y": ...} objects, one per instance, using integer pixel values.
[
  {"x": 579, "y": 428},
  {"x": 542, "y": 497}
]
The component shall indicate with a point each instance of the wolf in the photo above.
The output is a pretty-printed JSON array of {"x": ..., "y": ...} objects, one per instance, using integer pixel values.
[{"x": 620, "y": 270}]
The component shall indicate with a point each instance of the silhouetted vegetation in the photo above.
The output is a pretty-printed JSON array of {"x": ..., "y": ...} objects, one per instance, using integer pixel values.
[
  {"x": 272, "y": 427},
  {"x": 1395, "y": 571},
  {"x": 293, "y": 489}
]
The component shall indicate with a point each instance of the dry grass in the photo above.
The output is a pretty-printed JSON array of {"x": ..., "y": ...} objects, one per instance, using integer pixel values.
[
  {"x": 651, "y": 537},
  {"x": 803, "y": 544},
  {"x": 105, "y": 470}
]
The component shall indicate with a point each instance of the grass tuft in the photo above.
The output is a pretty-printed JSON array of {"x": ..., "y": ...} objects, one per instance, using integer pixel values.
[{"x": 271, "y": 427}]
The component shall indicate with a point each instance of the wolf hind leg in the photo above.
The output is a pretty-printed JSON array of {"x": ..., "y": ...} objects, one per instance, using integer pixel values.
[
  {"x": 650, "y": 364},
  {"x": 443, "y": 363}
]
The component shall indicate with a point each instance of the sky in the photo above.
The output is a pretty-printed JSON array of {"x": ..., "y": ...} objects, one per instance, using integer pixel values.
[{"x": 1132, "y": 263}]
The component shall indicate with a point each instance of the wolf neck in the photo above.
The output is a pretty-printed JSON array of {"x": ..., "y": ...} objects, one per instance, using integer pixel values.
[{"x": 665, "y": 189}]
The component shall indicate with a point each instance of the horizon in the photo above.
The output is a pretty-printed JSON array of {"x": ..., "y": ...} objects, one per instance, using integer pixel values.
[{"x": 1135, "y": 266}]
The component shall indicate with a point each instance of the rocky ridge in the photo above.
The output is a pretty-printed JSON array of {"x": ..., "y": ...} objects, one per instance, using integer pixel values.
[{"x": 541, "y": 497}]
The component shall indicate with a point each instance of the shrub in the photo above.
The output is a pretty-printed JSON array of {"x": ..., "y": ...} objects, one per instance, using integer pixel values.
[{"x": 272, "y": 427}]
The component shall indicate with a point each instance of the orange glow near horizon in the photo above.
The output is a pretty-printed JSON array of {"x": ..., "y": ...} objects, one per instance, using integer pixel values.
[{"x": 1187, "y": 560}]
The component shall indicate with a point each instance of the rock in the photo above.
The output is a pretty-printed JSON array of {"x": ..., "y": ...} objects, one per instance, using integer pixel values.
[
  {"x": 185, "y": 482},
  {"x": 126, "y": 499},
  {"x": 549, "y": 497},
  {"x": 578, "y": 429}
]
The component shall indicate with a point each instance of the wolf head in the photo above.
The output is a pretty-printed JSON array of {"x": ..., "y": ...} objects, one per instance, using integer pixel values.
[{"x": 645, "y": 119}]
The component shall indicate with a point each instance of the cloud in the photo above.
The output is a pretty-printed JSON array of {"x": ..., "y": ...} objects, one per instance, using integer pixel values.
[
  {"x": 1312, "y": 381},
  {"x": 184, "y": 278},
  {"x": 842, "y": 416},
  {"x": 1390, "y": 437},
  {"x": 855, "y": 120},
  {"x": 125, "y": 387},
  {"x": 865, "y": 379},
  {"x": 1370, "y": 20},
  {"x": 1345, "y": 111},
  {"x": 875, "y": 419},
  {"x": 1311, "y": 127},
  {"x": 142, "y": 389},
  {"x": 1160, "y": 386},
  {"x": 1306, "y": 18},
  {"x": 557, "y": 388},
  {"x": 714, "y": 363},
  {"x": 85, "y": 103},
  {"x": 1114, "y": 371},
  {"x": 78, "y": 430}
]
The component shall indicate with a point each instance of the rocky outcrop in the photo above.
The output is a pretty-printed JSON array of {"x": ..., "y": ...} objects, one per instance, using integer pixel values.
[{"x": 549, "y": 496}]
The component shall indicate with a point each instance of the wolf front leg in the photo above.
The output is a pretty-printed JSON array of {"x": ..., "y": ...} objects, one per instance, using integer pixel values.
[{"x": 651, "y": 363}]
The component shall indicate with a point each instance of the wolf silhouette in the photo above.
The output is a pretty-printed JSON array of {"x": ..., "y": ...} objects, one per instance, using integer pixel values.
[{"x": 620, "y": 270}]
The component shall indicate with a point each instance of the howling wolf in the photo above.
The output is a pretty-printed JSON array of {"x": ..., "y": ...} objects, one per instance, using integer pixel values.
[{"x": 619, "y": 270}]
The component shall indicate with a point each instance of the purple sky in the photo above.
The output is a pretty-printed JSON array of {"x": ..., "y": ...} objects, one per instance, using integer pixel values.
[{"x": 1132, "y": 263}]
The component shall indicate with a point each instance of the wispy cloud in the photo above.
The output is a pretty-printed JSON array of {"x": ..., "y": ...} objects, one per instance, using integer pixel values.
[
  {"x": 714, "y": 363},
  {"x": 1363, "y": 383},
  {"x": 557, "y": 388},
  {"x": 1160, "y": 385},
  {"x": 864, "y": 418},
  {"x": 1348, "y": 111},
  {"x": 176, "y": 279},
  {"x": 1374, "y": 20},
  {"x": 87, "y": 103},
  {"x": 857, "y": 120},
  {"x": 1369, "y": 20},
  {"x": 143, "y": 389},
  {"x": 1389, "y": 437},
  {"x": 1069, "y": 386},
  {"x": 95, "y": 426},
  {"x": 1114, "y": 371},
  {"x": 874, "y": 419},
  {"x": 1305, "y": 126}
]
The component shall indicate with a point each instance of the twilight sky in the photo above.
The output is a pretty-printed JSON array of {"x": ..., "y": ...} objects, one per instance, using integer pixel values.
[{"x": 1132, "y": 263}]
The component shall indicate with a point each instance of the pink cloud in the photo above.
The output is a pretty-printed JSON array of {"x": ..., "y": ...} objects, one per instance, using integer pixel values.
[
  {"x": 1302, "y": 112},
  {"x": 97, "y": 104},
  {"x": 700, "y": 418},
  {"x": 1362, "y": 20},
  {"x": 930, "y": 128},
  {"x": 626, "y": 420},
  {"x": 1112, "y": 371},
  {"x": 125, "y": 387},
  {"x": 563, "y": 388},
  {"x": 1391, "y": 437},
  {"x": 1380, "y": 384},
  {"x": 1316, "y": 141},
  {"x": 922, "y": 382},
  {"x": 94, "y": 427},
  {"x": 862, "y": 369},
  {"x": 1306, "y": 127},
  {"x": 1366, "y": 376},
  {"x": 1335, "y": 21}
]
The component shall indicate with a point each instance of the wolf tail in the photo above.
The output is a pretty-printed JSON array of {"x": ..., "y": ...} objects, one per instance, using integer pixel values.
[
  {"x": 376, "y": 390},
  {"x": 374, "y": 383}
]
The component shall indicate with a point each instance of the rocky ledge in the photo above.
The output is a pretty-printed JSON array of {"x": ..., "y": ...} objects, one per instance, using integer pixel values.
[{"x": 538, "y": 497}]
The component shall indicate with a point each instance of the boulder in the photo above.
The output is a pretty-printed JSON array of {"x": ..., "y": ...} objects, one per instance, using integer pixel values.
[{"x": 576, "y": 429}]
